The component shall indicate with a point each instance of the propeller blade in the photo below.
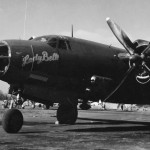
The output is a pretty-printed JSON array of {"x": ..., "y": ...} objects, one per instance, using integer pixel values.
[
  {"x": 146, "y": 67},
  {"x": 147, "y": 49},
  {"x": 121, "y": 36},
  {"x": 121, "y": 82}
]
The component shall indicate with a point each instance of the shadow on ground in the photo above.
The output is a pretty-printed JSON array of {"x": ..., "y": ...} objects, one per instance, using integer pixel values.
[
  {"x": 117, "y": 125},
  {"x": 31, "y": 123},
  {"x": 112, "y": 122}
]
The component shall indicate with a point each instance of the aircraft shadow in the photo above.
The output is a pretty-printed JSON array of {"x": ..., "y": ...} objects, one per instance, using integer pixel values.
[
  {"x": 113, "y": 122},
  {"x": 30, "y": 132},
  {"x": 31, "y": 123},
  {"x": 124, "y": 126},
  {"x": 34, "y": 129},
  {"x": 7, "y": 143},
  {"x": 113, "y": 129}
]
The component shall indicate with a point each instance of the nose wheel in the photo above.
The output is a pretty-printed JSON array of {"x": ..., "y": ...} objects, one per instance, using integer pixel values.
[{"x": 12, "y": 121}]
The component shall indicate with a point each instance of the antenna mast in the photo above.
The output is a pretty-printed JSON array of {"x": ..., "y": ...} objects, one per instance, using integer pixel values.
[
  {"x": 72, "y": 31},
  {"x": 25, "y": 17}
]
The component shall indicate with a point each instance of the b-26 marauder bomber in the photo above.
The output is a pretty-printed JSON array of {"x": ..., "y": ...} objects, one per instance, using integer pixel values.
[{"x": 59, "y": 69}]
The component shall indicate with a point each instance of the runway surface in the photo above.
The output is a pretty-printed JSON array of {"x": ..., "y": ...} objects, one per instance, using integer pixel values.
[{"x": 94, "y": 130}]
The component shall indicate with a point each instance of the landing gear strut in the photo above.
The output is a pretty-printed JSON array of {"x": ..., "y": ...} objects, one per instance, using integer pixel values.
[{"x": 85, "y": 105}]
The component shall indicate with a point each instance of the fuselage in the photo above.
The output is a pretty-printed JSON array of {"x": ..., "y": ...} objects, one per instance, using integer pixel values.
[
  {"x": 58, "y": 62},
  {"x": 76, "y": 58}
]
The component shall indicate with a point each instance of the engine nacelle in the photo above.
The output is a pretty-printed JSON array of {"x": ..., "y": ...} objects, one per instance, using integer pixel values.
[{"x": 99, "y": 88}]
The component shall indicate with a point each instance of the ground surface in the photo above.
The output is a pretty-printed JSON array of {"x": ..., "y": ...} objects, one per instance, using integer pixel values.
[{"x": 94, "y": 130}]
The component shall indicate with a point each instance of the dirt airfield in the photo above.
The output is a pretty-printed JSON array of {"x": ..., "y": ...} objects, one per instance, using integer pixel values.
[{"x": 94, "y": 130}]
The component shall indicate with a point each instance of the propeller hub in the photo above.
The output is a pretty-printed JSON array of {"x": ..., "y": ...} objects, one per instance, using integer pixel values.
[{"x": 135, "y": 58}]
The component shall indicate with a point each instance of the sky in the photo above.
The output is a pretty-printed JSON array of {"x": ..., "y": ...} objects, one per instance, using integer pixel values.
[{"x": 21, "y": 19}]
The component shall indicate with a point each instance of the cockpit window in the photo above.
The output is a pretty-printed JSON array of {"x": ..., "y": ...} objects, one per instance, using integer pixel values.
[
  {"x": 53, "y": 42},
  {"x": 64, "y": 44},
  {"x": 42, "y": 39}
]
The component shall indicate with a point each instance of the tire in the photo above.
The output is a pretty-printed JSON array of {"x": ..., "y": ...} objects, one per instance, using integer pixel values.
[
  {"x": 12, "y": 121},
  {"x": 67, "y": 114}
]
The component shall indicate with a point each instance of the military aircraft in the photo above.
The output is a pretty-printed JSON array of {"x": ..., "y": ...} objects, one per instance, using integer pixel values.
[{"x": 60, "y": 69}]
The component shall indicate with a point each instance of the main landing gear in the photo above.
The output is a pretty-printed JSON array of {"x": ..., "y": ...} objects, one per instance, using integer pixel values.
[
  {"x": 85, "y": 105},
  {"x": 67, "y": 114},
  {"x": 12, "y": 120}
]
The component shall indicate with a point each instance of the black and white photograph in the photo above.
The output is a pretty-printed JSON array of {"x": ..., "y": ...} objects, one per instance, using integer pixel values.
[{"x": 74, "y": 75}]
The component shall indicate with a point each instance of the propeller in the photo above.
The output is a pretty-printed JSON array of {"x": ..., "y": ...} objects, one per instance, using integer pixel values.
[{"x": 137, "y": 60}]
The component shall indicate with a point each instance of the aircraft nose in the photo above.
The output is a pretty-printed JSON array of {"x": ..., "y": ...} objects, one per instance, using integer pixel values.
[{"x": 4, "y": 57}]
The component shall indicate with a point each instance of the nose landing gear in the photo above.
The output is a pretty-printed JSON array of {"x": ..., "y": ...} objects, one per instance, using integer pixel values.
[{"x": 12, "y": 121}]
